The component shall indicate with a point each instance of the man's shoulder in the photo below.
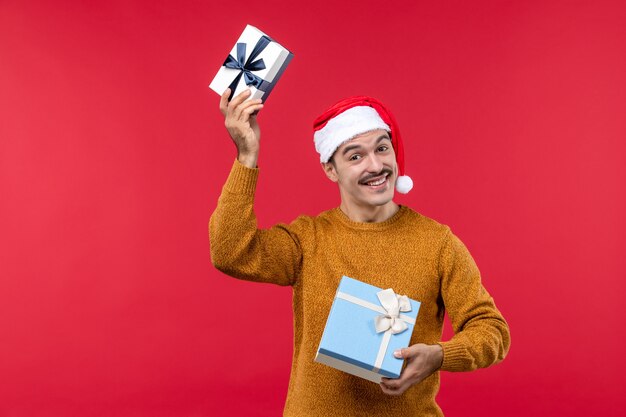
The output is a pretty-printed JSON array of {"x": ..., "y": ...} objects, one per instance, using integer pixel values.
[
  {"x": 304, "y": 220},
  {"x": 425, "y": 223}
]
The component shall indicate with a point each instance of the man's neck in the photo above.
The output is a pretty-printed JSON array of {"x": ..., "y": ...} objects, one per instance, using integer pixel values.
[{"x": 369, "y": 214}]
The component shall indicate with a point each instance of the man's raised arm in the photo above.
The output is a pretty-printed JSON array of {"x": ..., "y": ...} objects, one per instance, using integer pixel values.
[{"x": 238, "y": 248}]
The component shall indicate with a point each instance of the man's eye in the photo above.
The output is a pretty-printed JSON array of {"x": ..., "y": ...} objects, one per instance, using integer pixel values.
[
  {"x": 383, "y": 148},
  {"x": 355, "y": 157}
]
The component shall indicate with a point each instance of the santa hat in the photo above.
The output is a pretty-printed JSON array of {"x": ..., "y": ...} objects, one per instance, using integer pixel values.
[{"x": 351, "y": 117}]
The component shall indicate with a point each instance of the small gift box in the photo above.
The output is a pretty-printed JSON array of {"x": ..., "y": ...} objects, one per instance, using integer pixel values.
[
  {"x": 255, "y": 62},
  {"x": 365, "y": 325}
]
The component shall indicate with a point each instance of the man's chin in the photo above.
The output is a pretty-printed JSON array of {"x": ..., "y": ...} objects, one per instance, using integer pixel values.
[{"x": 378, "y": 200}]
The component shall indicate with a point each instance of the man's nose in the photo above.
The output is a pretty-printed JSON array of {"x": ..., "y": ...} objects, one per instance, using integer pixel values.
[{"x": 376, "y": 163}]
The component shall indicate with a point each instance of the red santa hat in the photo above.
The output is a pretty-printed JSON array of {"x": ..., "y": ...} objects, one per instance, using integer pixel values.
[{"x": 351, "y": 117}]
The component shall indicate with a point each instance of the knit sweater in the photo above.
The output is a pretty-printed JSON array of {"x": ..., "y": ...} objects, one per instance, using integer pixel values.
[{"x": 410, "y": 253}]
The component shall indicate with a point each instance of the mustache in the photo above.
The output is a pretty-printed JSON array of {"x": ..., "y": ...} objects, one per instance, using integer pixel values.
[{"x": 372, "y": 176}]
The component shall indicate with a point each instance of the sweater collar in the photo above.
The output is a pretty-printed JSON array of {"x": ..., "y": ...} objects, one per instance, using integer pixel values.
[{"x": 345, "y": 220}]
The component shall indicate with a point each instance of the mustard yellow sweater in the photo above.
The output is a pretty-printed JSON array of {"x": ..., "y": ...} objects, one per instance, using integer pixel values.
[{"x": 409, "y": 252}]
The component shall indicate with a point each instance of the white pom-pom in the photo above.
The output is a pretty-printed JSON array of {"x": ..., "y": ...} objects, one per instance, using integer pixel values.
[{"x": 404, "y": 184}]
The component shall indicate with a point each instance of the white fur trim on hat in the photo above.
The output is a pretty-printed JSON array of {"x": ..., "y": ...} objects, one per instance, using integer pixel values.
[{"x": 345, "y": 126}]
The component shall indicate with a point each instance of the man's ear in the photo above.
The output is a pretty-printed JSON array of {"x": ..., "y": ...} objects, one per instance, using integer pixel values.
[{"x": 330, "y": 171}]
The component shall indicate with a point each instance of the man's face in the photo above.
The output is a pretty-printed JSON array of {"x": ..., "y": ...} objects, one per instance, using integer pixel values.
[{"x": 365, "y": 169}]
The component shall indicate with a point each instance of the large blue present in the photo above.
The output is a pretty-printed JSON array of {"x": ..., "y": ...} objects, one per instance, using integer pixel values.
[
  {"x": 255, "y": 62},
  {"x": 365, "y": 325}
]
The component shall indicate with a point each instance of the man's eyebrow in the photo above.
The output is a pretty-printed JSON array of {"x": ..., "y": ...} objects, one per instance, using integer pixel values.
[
  {"x": 357, "y": 146},
  {"x": 384, "y": 136},
  {"x": 349, "y": 148}
]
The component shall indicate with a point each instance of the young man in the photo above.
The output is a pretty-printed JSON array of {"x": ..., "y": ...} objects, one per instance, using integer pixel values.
[{"x": 368, "y": 237}]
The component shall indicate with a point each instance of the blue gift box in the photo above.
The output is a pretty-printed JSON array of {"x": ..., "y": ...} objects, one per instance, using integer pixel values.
[
  {"x": 256, "y": 62},
  {"x": 351, "y": 342}
]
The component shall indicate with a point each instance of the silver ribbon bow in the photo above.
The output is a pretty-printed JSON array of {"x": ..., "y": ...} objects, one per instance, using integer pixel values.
[{"x": 393, "y": 304}]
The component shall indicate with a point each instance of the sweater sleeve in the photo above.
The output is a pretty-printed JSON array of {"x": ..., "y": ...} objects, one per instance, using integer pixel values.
[
  {"x": 481, "y": 334},
  {"x": 238, "y": 247}
]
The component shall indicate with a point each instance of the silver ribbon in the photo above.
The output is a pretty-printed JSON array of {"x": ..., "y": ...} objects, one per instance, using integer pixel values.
[{"x": 393, "y": 304}]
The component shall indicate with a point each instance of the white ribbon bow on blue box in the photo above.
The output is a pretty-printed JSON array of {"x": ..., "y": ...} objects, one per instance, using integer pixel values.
[{"x": 365, "y": 325}]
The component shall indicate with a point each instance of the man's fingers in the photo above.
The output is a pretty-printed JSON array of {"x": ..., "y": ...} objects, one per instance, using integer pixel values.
[
  {"x": 237, "y": 108},
  {"x": 396, "y": 386},
  {"x": 250, "y": 110},
  {"x": 400, "y": 353},
  {"x": 394, "y": 383},
  {"x": 388, "y": 383},
  {"x": 238, "y": 99},
  {"x": 409, "y": 352},
  {"x": 407, "y": 377},
  {"x": 240, "y": 112},
  {"x": 414, "y": 373},
  {"x": 251, "y": 106},
  {"x": 391, "y": 390}
]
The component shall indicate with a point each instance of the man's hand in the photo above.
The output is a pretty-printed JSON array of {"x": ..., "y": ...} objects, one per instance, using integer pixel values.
[
  {"x": 422, "y": 361},
  {"x": 242, "y": 125}
]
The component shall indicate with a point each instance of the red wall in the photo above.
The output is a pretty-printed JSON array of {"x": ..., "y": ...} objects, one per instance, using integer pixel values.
[{"x": 113, "y": 153}]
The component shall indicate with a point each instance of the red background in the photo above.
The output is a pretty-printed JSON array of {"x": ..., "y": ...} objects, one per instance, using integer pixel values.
[{"x": 113, "y": 153}]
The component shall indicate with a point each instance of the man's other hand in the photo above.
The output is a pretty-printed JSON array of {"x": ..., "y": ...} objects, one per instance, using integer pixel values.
[
  {"x": 242, "y": 126},
  {"x": 422, "y": 361}
]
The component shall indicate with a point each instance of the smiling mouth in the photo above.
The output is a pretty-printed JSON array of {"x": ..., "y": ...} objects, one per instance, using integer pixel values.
[{"x": 377, "y": 182}]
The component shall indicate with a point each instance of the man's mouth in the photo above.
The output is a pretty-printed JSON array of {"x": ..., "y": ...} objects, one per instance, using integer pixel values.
[{"x": 377, "y": 181}]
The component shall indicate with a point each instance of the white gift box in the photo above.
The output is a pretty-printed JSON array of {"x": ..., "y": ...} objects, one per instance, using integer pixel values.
[{"x": 256, "y": 62}]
